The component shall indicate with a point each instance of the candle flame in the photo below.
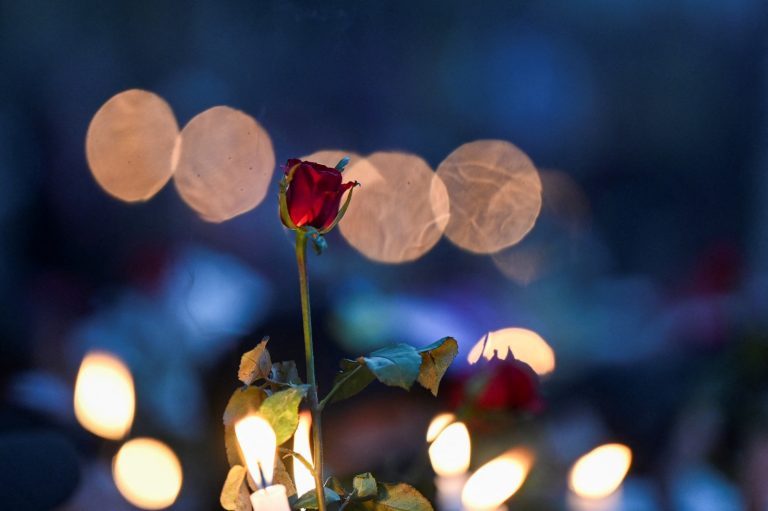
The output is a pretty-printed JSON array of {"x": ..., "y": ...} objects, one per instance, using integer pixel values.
[
  {"x": 147, "y": 473},
  {"x": 522, "y": 344},
  {"x": 451, "y": 450},
  {"x": 438, "y": 424},
  {"x": 496, "y": 481},
  {"x": 257, "y": 443},
  {"x": 601, "y": 471},
  {"x": 104, "y": 398},
  {"x": 302, "y": 477}
]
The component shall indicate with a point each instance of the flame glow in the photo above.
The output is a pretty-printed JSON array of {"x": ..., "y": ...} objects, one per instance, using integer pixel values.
[
  {"x": 496, "y": 481},
  {"x": 450, "y": 452},
  {"x": 104, "y": 398},
  {"x": 601, "y": 471},
  {"x": 438, "y": 424},
  {"x": 258, "y": 443},
  {"x": 521, "y": 343},
  {"x": 302, "y": 477},
  {"x": 147, "y": 473}
]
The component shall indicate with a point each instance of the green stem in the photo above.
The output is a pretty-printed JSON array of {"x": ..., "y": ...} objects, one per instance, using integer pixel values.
[
  {"x": 317, "y": 437},
  {"x": 288, "y": 453}
]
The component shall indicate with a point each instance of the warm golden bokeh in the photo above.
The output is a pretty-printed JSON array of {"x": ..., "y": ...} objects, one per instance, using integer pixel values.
[
  {"x": 565, "y": 216},
  {"x": 302, "y": 477},
  {"x": 225, "y": 163},
  {"x": 601, "y": 471},
  {"x": 400, "y": 210},
  {"x": 495, "y": 195},
  {"x": 147, "y": 473},
  {"x": 496, "y": 481},
  {"x": 130, "y": 143},
  {"x": 257, "y": 443},
  {"x": 520, "y": 343},
  {"x": 438, "y": 424},
  {"x": 104, "y": 398},
  {"x": 451, "y": 451}
]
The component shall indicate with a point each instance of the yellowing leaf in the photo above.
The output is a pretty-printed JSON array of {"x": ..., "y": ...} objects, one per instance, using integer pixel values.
[
  {"x": 242, "y": 403},
  {"x": 393, "y": 497},
  {"x": 255, "y": 364},
  {"x": 231, "y": 490},
  {"x": 364, "y": 485},
  {"x": 435, "y": 360},
  {"x": 283, "y": 477}
]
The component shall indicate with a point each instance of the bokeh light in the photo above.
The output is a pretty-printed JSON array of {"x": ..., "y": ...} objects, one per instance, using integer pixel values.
[
  {"x": 130, "y": 145},
  {"x": 601, "y": 471},
  {"x": 225, "y": 163},
  {"x": 520, "y": 343},
  {"x": 302, "y": 477},
  {"x": 560, "y": 230},
  {"x": 451, "y": 451},
  {"x": 496, "y": 481},
  {"x": 147, "y": 473},
  {"x": 495, "y": 195},
  {"x": 438, "y": 424},
  {"x": 104, "y": 397},
  {"x": 400, "y": 210}
]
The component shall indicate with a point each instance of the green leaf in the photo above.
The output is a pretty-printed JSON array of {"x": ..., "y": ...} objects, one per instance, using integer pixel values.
[
  {"x": 281, "y": 409},
  {"x": 255, "y": 364},
  {"x": 364, "y": 485},
  {"x": 230, "y": 493},
  {"x": 435, "y": 360},
  {"x": 353, "y": 378},
  {"x": 244, "y": 401},
  {"x": 334, "y": 484},
  {"x": 396, "y": 366},
  {"x": 393, "y": 497},
  {"x": 309, "y": 499}
]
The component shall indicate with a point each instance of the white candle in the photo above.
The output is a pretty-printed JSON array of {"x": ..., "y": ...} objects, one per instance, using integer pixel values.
[
  {"x": 257, "y": 442},
  {"x": 595, "y": 479},
  {"x": 612, "y": 502},
  {"x": 495, "y": 482},
  {"x": 450, "y": 455},
  {"x": 272, "y": 498}
]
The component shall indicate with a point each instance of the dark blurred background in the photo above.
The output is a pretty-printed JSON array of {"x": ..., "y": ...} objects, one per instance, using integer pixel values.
[{"x": 651, "y": 289}]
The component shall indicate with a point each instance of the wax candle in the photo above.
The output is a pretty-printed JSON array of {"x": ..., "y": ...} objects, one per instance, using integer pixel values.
[
  {"x": 450, "y": 455},
  {"x": 595, "y": 479},
  {"x": 495, "y": 482},
  {"x": 258, "y": 444}
]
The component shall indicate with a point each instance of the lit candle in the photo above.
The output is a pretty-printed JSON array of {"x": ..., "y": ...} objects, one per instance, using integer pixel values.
[
  {"x": 302, "y": 477},
  {"x": 257, "y": 442},
  {"x": 595, "y": 479},
  {"x": 449, "y": 455},
  {"x": 496, "y": 481}
]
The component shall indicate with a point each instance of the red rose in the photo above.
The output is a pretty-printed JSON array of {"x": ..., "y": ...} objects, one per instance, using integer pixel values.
[
  {"x": 499, "y": 385},
  {"x": 513, "y": 385},
  {"x": 314, "y": 193}
]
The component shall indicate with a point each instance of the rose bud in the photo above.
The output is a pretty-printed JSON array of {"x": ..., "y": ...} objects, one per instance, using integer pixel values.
[{"x": 314, "y": 194}]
